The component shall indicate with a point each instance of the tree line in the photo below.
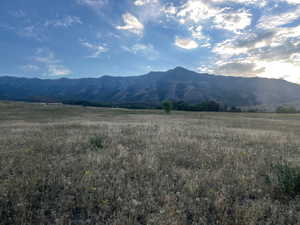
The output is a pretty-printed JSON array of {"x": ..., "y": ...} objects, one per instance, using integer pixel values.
[
  {"x": 168, "y": 106},
  {"x": 208, "y": 106}
]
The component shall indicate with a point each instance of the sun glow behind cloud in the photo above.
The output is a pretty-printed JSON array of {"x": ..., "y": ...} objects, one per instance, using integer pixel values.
[{"x": 281, "y": 70}]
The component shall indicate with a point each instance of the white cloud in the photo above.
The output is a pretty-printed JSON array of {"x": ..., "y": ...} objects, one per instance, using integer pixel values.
[
  {"x": 30, "y": 31},
  {"x": 271, "y": 53},
  {"x": 94, "y": 4},
  {"x": 132, "y": 24},
  {"x": 58, "y": 70},
  {"x": 186, "y": 43},
  {"x": 197, "y": 32},
  {"x": 258, "y": 3},
  {"x": 65, "y": 22},
  {"x": 228, "y": 49},
  {"x": 233, "y": 21},
  {"x": 239, "y": 68},
  {"x": 18, "y": 13},
  {"x": 46, "y": 56},
  {"x": 30, "y": 68},
  {"x": 205, "y": 69},
  {"x": 273, "y": 21},
  {"x": 196, "y": 11},
  {"x": 169, "y": 10},
  {"x": 283, "y": 34},
  {"x": 146, "y": 50},
  {"x": 47, "y": 60},
  {"x": 97, "y": 50},
  {"x": 145, "y": 2},
  {"x": 200, "y": 16},
  {"x": 151, "y": 11},
  {"x": 282, "y": 39},
  {"x": 292, "y": 1},
  {"x": 295, "y": 57},
  {"x": 201, "y": 12}
]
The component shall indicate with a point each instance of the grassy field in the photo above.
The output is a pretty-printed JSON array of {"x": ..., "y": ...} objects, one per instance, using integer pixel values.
[{"x": 75, "y": 165}]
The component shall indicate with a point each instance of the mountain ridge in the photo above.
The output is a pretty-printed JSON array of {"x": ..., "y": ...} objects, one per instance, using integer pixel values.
[
  {"x": 132, "y": 76},
  {"x": 178, "y": 84}
]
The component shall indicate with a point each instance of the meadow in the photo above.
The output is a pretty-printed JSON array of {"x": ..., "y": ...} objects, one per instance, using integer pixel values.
[{"x": 81, "y": 165}]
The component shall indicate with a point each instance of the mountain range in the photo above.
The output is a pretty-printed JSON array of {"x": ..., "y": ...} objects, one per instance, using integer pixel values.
[{"x": 178, "y": 84}]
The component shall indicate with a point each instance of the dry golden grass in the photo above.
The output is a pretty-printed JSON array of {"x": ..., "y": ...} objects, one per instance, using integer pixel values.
[{"x": 76, "y": 165}]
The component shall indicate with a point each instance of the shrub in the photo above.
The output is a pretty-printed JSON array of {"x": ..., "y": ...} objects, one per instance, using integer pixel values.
[
  {"x": 167, "y": 106},
  {"x": 97, "y": 142},
  {"x": 288, "y": 179}
]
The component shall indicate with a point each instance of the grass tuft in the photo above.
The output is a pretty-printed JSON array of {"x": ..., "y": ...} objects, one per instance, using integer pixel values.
[
  {"x": 288, "y": 178},
  {"x": 97, "y": 143}
]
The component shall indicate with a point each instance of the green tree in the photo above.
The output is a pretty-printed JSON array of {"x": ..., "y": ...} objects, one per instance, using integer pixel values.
[{"x": 167, "y": 106}]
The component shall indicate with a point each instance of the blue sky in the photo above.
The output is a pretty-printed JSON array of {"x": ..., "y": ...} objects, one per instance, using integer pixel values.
[{"x": 90, "y": 38}]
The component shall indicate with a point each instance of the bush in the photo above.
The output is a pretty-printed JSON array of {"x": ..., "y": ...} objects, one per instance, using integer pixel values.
[
  {"x": 97, "y": 142},
  {"x": 167, "y": 106},
  {"x": 288, "y": 179}
]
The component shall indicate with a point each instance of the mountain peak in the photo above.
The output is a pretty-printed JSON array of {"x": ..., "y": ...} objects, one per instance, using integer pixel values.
[{"x": 179, "y": 68}]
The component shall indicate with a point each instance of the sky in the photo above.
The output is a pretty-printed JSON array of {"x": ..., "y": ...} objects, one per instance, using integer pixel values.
[{"x": 91, "y": 38}]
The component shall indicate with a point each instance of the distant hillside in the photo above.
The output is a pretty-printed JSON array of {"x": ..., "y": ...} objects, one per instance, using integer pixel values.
[{"x": 178, "y": 84}]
